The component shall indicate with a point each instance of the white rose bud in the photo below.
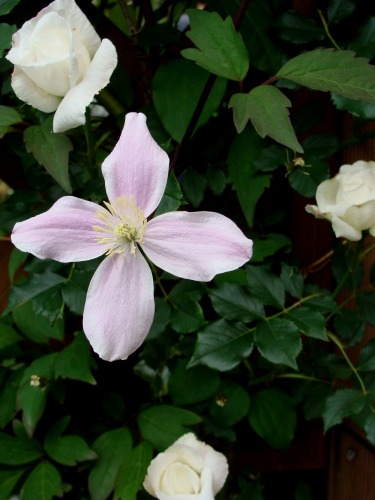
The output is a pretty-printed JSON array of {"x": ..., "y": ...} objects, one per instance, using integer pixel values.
[
  {"x": 348, "y": 200},
  {"x": 60, "y": 63},
  {"x": 187, "y": 470}
]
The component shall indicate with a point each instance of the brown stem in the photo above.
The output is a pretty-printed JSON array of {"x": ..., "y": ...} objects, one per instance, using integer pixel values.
[{"x": 205, "y": 93}]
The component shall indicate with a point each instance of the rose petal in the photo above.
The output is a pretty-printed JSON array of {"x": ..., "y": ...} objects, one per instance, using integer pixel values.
[
  {"x": 361, "y": 217},
  {"x": 26, "y": 90},
  {"x": 342, "y": 228},
  {"x": 71, "y": 112},
  {"x": 63, "y": 233},
  {"x": 205, "y": 494},
  {"x": 137, "y": 166},
  {"x": 197, "y": 245},
  {"x": 326, "y": 194},
  {"x": 119, "y": 307}
]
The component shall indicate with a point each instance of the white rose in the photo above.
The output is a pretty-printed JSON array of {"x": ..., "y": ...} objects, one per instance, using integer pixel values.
[
  {"x": 60, "y": 63},
  {"x": 187, "y": 470},
  {"x": 348, "y": 200}
]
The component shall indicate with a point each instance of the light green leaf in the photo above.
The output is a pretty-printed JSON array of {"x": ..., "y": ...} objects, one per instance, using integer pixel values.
[
  {"x": 247, "y": 182},
  {"x": 222, "y": 346},
  {"x": 132, "y": 472},
  {"x": 177, "y": 87},
  {"x": 266, "y": 107},
  {"x": 267, "y": 287},
  {"x": 232, "y": 301},
  {"x": 112, "y": 447},
  {"x": 172, "y": 198},
  {"x": 66, "y": 450},
  {"x": 18, "y": 451},
  {"x": 162, "y": 425},
  {"x": 43, "y": 483},
  {"x": 74, "y": 361},
  {"x": 272, "y": 415},
  {"x": 311, "y": 323},
  {"x": 50, "y": 150},
  {"x": 220, "y": 49},
  {"x": 343, "y": 403},
  {"x": 333, "y": 71},
  {"x": 278, "y": 341}
]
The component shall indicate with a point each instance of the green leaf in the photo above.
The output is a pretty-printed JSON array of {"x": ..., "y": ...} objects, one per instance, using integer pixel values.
[
  {"x": 320, "y": 146},
  {"x": 266, "y": 107},
  {"x": 8, "y": 480},
  {"x": 33, "y": 390},
  {"x": 220, "y": 49},
  {"x": 194, "y": 186},
  {"x": 188, "y": 317},
  {"x": 132, "y": 472},
  {"x": 17, "y": 257},
  {"x": 343, "y": 403},
  {"x": 172, "y": 198},
  {"x": 232, "y": 301},
  {"x": 364, "y": 43},
  {"x": 278, "y": 341},
  {"x": 8, "y": 335},
  {"x": 161, "y": 318},
  {"x": 272, "y": 415},
  {"x": 162, "y": 425},
  {"x": 74, "y": 361},
  {"x": 222, "y": 346},
  {"x": 50, "y": 150},
  {"x": 311, "y": 323},
  {"x": 8, "y": 115},
  {"x": 216, "y": 180},
  {"x": 333, "y": 71},
  {"x": 363, "y": 109},
  {"x": 6, "y": 33},
  {"x": 265, "y": 248},
  {"x": 247, "y": 182},
  {"x": 306, "y": 179},
  {"x": 18, "y": 451},
  {"x": 75, "y": 290},
  {"x": 292, "y": 280},
  {"x": 111, "y": 447},
  {"x": 366, "y": 304},
  {"x": 231, "y": 404},
  {"x": 188, "y": 386},
  {"x": 267, "y": 287},
  {"x": 296, "y": 28},
  {"x": 33, "y": 287},
  {"x": 35, "y": 327},
  {"x": 349, "y": 325},
  {"x": 369, "y": 428},
  {"x": 8, "y": 394},
  {"x": 43, "y": 483},
  {"x": 176, "y": 89},
  {"x": 366, "y": 362},
  {"x": 339, "y": 9},
  {"x": 6, "y": 6},
  {"x": 66, "y": 450}
]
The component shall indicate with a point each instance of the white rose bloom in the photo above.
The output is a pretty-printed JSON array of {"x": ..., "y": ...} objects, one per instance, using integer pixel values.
[
  {"x": 60, "y": 63},
  {"x": 187, "y": 470},
  {"x": 348, "y": 200}
]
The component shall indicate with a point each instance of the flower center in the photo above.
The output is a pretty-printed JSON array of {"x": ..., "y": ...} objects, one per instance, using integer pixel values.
[{"x": 124, "y": 226}]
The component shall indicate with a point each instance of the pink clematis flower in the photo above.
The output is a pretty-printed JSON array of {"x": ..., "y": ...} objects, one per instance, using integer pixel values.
[{"x": 120, "y": 306}]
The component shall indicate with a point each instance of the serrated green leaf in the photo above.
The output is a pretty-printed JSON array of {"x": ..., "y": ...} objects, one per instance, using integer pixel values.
[
  {"x": 363, "y": 109},
  {"x": 222, "y": 345},
  {"x": 343, "y": 403},
  {"x": 177, "y": 87},
  {"x": 232, "y": 301},
  {"x": 162, "y": 425},
  {"x": 112, "y": 447},
  {"x": 74, "y": 361},
  {"x": 6, "y": 6},
  {"x": 266, "y": 107},
  {"x": 188, "y": 386},
  {"x": 132, "y": 472},
  {"x": 43, "y": 483},
  {"x": 272, "y": 415},
  {"x": 231, "y": 404},
  {"x": 333, "y": 71},
  {"x": 267, "y": 287},
  {"x": 35, "y": 327},
  {"x": 339, "y": 9},
  {"x": 50, "y": 150},
  {"x": 278, "y": 341},
  {"x": 66, "y": 450},
  {"x": 247, "y": 182},
  {"x": 18, "y": 451},
  {"x": 8, "y": 480},
  {"x": 8, "y": 335},
  {"x": 364, "y": 43},
  {"x": 220, "y": 49},
  {"x": 311, "y": 323},
  {"x": 172, "y": 198},
  {"x": 292, "y": 280}
]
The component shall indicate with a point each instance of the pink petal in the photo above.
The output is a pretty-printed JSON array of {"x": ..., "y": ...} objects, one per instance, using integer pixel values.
[
  {"x": 119, "y": 307},
  {"x": 197, "y": 245},
  {"x": 137, "y": 166},
  {"x": 63, "y": 233}
]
